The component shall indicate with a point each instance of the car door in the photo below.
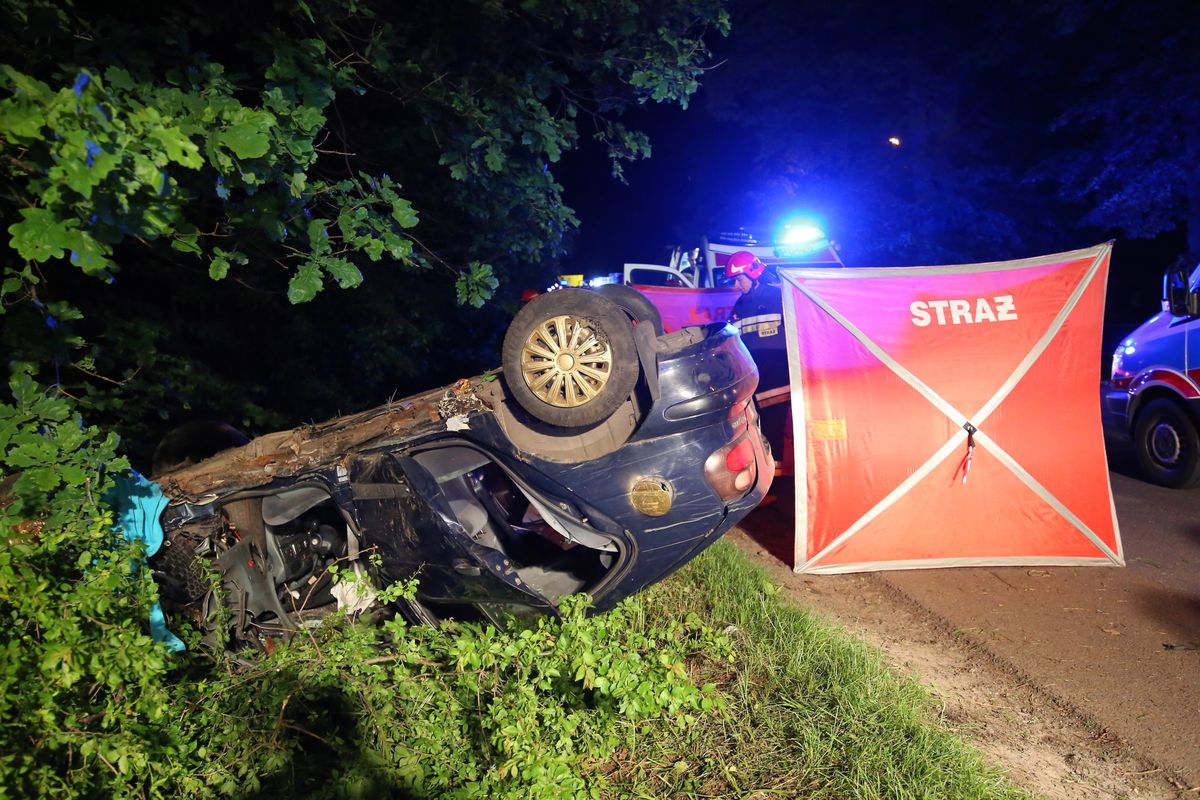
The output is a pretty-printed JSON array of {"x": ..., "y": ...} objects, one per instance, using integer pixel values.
[{"x": 417, "y": 529}]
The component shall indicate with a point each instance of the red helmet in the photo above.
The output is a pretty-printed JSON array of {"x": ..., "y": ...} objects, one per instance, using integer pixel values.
[{"x": 743, "y": 262}]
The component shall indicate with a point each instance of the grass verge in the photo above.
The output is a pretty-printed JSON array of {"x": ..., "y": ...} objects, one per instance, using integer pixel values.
[{"x": 811, "y": 711}]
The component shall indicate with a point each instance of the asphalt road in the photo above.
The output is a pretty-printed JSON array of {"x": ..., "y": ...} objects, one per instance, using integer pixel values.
[{"x": 1120, "y": 645}]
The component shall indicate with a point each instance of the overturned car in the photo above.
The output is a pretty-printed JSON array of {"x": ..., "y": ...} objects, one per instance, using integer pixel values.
[{"x": 603, "y": 456}]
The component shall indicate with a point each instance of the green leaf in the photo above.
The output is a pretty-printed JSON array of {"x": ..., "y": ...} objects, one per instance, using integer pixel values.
[
  {"x": 305, "y": 284},
  {"x": 374, "y": 249},
  {"x": 397, "y": 246},
  {"x": 249, "y": 138},
  {"x": 88, "y": 254},
  {"x": 64, "y": 311},
  {"x": 342, "y": 271},
  {"x": 404, "y": 213},
  {"x": 147, "y": 172},
  {"x": 308, "y": 119},
  {"x": 118, "y": 79},
  {"x": 45, "y": 480},
  {"x": 11, "y": 285},
  {"x": 494, "y": 158},
  {"x": 186, "y": 239},
  {"x": 21, "y": 121},
  {"x": 186, "y": 244},
  {"x": 41, "y": 235},
  {"x": 180, "y": 149},
  {"x": 218, "y": 268},
  {"x": 475, "y": 287},
  {"x": 318, "y": 236}
]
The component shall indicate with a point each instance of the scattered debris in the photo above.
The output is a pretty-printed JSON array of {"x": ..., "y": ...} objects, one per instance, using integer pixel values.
[{"x": 459, "y": 401}]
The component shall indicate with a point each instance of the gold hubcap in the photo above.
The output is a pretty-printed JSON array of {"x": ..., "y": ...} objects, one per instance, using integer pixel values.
[{"x": 565, "y": 363}]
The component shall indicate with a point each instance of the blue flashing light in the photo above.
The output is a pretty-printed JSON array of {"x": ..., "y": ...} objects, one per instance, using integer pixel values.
[
  {"x": 799, "y": 236},
  {"x": 800, "y": 233}
]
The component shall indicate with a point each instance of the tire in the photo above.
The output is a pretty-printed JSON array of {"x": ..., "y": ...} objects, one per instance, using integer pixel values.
[
  {"x": 1167, "y": 444},
  {"x": 193, "y": 442},
  {"x": 569, "y": 358},
  {"x": 634, "y": 303}
]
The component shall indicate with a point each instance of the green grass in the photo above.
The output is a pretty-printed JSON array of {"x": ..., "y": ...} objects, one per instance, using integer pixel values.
[{"x": 811, "y": 712}]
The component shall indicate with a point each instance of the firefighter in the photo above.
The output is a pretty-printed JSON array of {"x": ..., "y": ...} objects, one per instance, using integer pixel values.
[{"x": 758, "y": 315}]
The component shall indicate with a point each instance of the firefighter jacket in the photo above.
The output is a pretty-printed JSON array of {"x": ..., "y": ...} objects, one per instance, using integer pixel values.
[{"x": 758, "y": 315}]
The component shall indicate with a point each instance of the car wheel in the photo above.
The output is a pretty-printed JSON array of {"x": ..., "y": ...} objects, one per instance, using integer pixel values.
[
  {"x": 193, "y": 442},
  {"x": 633, "y": 303},
  {"x": 1167, "y": 444},
  {"x": 569, "y": 358}
]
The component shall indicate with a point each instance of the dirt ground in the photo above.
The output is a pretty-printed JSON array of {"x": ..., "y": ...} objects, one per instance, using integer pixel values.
[{"x": 1077, "y": 682}]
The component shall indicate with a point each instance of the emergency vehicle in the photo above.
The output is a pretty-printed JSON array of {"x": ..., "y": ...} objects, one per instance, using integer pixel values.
[
  {"x": 1153, "y": 394},
  {"x": 704, "y": 266},
  {"x": 691, "y": 290}
]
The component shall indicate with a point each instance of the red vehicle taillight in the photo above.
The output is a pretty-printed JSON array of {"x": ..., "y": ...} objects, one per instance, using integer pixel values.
[
  {"x": 731, "y": 470},
  {"x": 740, "y": 457}
]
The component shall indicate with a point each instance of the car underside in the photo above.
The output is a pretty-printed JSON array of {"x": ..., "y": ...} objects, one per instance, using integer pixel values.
[{"x": 493, "y": 510}]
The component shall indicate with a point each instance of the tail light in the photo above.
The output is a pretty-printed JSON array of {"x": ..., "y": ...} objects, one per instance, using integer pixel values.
[
  {"x": 731, "y": 470},
  {"x": 740, "y": 457}
]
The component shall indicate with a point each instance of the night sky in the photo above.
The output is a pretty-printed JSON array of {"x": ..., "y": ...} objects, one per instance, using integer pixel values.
[{"x": 1025, "y": 130}]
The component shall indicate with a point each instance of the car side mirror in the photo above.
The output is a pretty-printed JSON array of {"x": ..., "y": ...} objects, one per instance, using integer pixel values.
[{"x": 1177, "y": 297}]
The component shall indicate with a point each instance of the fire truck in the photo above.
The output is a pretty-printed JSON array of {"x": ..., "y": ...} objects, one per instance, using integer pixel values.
[
  {"x": 691, "y": 290},
  {"x": 704, "y": 266}
]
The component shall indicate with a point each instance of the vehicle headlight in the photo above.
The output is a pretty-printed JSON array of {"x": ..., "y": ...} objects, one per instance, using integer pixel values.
[{"x": 1120, "y": 377}]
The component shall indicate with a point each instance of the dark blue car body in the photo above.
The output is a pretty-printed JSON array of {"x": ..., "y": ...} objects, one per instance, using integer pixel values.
[{"x": 494, "y": 513}]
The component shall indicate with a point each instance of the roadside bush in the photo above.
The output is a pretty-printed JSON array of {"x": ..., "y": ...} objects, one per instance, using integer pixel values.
[
  {"x": 90, "y": 706},
  {"x": 467, "y": 711},
  {"x": 82, "y": 698}
]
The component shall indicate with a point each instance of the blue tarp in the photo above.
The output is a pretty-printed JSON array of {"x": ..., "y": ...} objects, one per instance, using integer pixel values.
[{"x": 138, "y": 503}]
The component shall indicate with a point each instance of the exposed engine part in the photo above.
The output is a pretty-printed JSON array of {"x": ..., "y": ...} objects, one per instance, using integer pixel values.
[
  {"x": 270, "y": 576},
  {"x": 299, "y": 555},
  {"x": 250, "y": 594}
]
